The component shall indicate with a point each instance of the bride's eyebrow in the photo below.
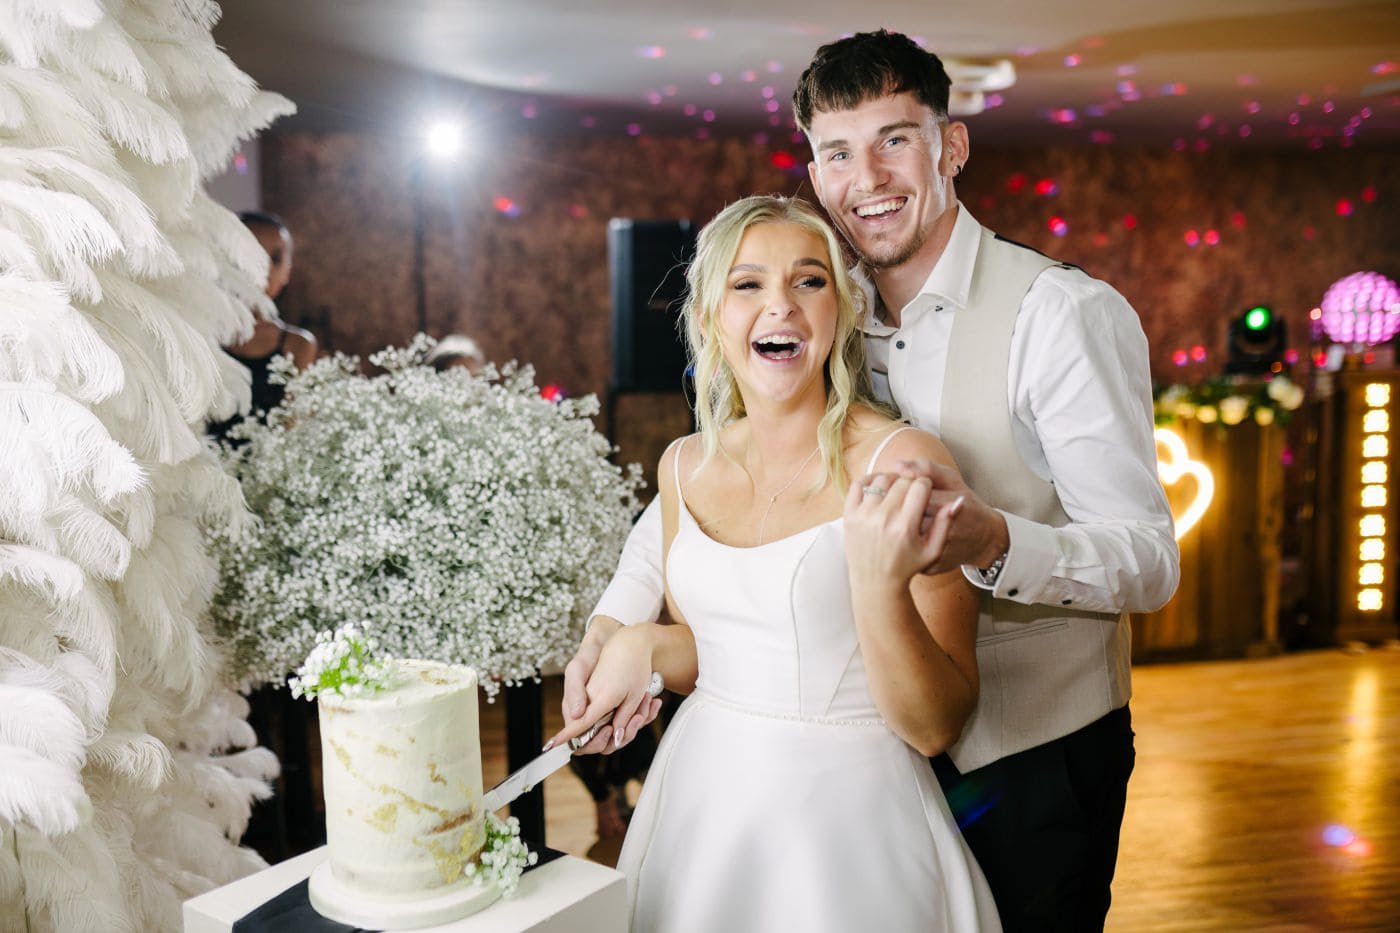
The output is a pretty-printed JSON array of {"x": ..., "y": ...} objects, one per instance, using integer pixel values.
[
  {"x": 811, "y": 261},
  {"x": 748, "y": 267}
]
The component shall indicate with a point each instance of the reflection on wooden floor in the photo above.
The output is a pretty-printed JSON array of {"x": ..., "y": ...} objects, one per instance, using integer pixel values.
[{"x": 1266, "y": 796}]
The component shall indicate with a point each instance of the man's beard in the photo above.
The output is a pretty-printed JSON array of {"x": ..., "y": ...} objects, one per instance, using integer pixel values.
[{"x": 893, "y": 254}]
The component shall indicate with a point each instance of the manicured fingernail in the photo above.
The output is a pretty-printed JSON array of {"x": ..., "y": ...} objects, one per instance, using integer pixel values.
[
  {"x": 617, "y": 739},
  {"x": 957, "y": 505},
  {"x": 548, "y": 745}
]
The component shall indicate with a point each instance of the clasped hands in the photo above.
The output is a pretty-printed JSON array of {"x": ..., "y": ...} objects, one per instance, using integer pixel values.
[{"x": 611, "y": 671}]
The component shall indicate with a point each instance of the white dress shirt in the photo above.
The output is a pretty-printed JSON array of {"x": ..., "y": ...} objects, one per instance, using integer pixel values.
[{"x": 1081, "y": 399}]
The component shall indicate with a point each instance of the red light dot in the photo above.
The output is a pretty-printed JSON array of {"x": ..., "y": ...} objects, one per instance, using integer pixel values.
[
  {"x": 1129, "y": 222},
  {"x": 578, "y": 211},
  {"x": 1309, "y": 231},
  {"x": 783, "y": 160},
  {"x": 503, "y": 204},
  {"x": 1212, "y": 237},
  {"x": 1368, "y": 194},
  {"x": 1101, "y": 239},
  {"x": 1046, "y": 187},
  {"x": 1179, "y": 357},
  {"x": 1345, "y": 207},
  {"x": 1237, "y": 219},
  {"x": 1016, "y": 183},
  {"x": 1192, "y": 238},
  {"x": 1369, "y": 358},
  {"x": 987, "y": 202},
  {"x": 1058, "y": 226},
  {"x": 1361, "y": 847},
  {"x": 1198, "y": 353},
  {"x": 1290, "y": 356}
]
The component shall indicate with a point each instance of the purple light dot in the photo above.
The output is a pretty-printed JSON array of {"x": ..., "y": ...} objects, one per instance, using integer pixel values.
[
  {"x": 1126, "y": 87},
  {"x": 716, "y": 78},
  {"x": 760, "y": 139},
  {"x": 651, "y": 51},
  {"x": 1365, "y": 113},
  {"x": 1205, "y": 120},
  {"x": 702, "y": 132},
  {"x": 775, "y": 68},
  {"x": 768, "y": 91},
  {"x": 748, "y": 75},
  {"x": 1338, "y": 835},
  {"x": 775, "y": 120},
  {"x": 1245, "y": 130},
  {"x": 1072, "y": 60},
  {"x": 708, "y": 116},
  {"x": 588, "y": 122},
  {"x": 994, "y": 100},
  {"x": 1179, "y": 144},
  {"x": 772, "y": 106},
  {"x": 634, "y": 129},
  {"x": 529, "y": 111},
  {"x": 653, "y": 97},
  {"x": 1328, "y": 107},
  {"x": 1063, "y": 115},
  {"x": 1295, "y": 118},
  {"x": 1304, "y": 100},
  {"x": 1125, "y": 71},
  {"x": 1095, "y": 110},
  {"x": 690, "y": 110},
  {"x": 1252, "y": 106},
  {"x": 670, "y": 90}
]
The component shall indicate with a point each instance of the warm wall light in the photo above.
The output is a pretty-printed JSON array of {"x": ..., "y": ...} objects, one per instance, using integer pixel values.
[
  {"x": 1378, "y": 394},
  {"x": 1370, "y": 575},
  {"x": 1373, "y": 497},
  {"x": 1375, "y": 445},
  {"x": 1372, "y": 549},
  {"x": 1369, "y": 600},
  {"x": 1373, "y": 526},
  {"x": 1376, "y": 421},
  {"x": 1176, "y": 465},
  {"x": 1374, "y": 471}
]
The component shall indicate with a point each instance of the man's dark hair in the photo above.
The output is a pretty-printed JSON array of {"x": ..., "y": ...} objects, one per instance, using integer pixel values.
[
  {"x": 262, "y": 219},
  {"x": 866, "y": 66}
]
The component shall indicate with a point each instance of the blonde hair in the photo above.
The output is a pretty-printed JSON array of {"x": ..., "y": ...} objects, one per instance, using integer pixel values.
[{"x": 717, "y": 398}]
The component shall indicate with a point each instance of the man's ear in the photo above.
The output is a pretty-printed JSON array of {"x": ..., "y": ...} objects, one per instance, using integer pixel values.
[{"x": 956, "y": 148}]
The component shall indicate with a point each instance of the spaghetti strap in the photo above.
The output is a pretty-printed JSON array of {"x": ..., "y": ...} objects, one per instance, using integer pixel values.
[
  {"x": 870, "y": 467},
  {"x": 679, "y": 444}
]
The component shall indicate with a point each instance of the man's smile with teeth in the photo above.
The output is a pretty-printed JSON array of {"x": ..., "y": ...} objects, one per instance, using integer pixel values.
[{"x": 879, "y": 208}]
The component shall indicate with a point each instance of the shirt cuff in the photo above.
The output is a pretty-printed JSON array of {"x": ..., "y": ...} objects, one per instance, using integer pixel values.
[
  {"x": 629, "y": 602},
  {"x": 1031, "y": 562}
]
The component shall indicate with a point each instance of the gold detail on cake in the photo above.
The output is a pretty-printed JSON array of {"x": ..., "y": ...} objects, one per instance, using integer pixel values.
[
  {"x": 384, "y": 818},
  {"x": 449, "y": 824},
  {"x": 450, "y": 860},
  {"x": 386, "y": 751},
  {"x": 417, "y": 806},
  {"x": 435, "y": 775}
]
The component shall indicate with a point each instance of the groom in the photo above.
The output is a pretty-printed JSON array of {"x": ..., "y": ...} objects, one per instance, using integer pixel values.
[{"x": 1036, "y": 377}]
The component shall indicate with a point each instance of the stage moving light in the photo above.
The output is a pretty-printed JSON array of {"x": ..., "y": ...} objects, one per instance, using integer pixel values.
[{"x": 1256, "y": 342}]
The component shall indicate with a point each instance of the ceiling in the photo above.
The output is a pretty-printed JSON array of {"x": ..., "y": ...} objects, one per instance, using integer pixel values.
[{"x": 1189, "y": 74}]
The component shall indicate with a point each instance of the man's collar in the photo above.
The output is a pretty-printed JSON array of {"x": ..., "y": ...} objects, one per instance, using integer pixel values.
[{"x": 950, "y": 281}]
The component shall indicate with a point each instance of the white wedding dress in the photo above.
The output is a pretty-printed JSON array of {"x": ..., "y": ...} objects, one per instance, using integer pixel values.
[{"x": 779, "y": 800}]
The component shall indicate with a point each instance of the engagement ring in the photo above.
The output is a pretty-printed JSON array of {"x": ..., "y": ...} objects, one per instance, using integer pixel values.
[{"x": 872, "y": 490}]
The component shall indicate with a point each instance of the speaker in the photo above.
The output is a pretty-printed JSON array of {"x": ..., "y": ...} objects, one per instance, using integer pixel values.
[{"x": 647, "y": 260}]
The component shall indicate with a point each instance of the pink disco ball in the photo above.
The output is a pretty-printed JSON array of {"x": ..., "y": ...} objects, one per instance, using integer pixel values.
[{"x": 1363, "y": 308}]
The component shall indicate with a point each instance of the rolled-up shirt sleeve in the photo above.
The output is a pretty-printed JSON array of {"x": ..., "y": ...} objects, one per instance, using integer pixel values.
[
  {"x": 636, "y": 592},
  {"x": 1082, "y": 390}
]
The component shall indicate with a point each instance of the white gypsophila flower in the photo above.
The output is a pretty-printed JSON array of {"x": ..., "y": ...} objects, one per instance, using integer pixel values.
[{"x": 453, "y": 517}]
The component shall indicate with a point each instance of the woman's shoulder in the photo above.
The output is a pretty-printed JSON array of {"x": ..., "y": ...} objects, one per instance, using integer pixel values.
[{"x": 876, "y": 435}]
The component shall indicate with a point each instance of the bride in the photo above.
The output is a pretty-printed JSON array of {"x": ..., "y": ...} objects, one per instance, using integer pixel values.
[{"x": 792, "y": 789}]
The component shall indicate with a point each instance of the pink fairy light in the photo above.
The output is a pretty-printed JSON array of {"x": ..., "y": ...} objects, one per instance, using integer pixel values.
[{"x": 1363, "y": 308}]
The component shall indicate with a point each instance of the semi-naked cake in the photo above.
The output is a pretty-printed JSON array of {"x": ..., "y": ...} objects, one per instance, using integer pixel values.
[{"x": 402, "y": 774}]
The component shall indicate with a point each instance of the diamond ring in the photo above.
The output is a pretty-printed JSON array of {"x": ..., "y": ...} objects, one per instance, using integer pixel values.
[{"x": 872, "y": 491}]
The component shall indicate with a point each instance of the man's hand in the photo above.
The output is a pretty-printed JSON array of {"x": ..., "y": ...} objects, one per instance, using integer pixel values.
[{"x": 977, "y": 535}]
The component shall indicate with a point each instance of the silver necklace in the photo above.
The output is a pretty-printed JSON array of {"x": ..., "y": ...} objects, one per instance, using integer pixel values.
[{"x": 774, "y": 498}]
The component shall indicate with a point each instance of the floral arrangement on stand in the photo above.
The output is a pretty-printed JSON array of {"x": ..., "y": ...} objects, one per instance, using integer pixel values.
[
  {"x": 454, "y": 517},
  {"x": 1229, "y": 401}
]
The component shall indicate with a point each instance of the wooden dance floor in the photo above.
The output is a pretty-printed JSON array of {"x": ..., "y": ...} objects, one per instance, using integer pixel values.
[{"x": 1266, "y": 796}]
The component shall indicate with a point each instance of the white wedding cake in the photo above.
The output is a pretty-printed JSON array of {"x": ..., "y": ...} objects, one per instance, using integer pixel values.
[{"x": 402, "y": 774}]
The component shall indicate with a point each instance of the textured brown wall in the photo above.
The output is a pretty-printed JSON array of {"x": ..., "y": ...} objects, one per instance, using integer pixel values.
[{"x": 534, "y": 287}]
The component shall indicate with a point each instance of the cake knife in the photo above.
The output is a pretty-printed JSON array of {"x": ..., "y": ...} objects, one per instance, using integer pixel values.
[{"x": 542, "y": 767}]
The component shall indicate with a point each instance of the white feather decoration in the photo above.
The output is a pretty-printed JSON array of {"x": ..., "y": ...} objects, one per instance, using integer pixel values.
[
  {"x": 80, "y": 452},
  {"x": 72, "y": 678},
  {"x": 135, "y": 756},
  {"x": 128, "y": 117},
  {"x": 63, "y": 228},
  {"x": 88, "y": 539},
  {"x": 41, "y": 111},
  {"x": 56, "y": 577},
  {"x": 71, "y": 882},
  {"x": 37, "y": 792},
  {"x": 145, "y": 413},
  {"x": 41, "y": 723},
  {"x": 215, "y": 132},
  {"x": 42, "y": 338}
]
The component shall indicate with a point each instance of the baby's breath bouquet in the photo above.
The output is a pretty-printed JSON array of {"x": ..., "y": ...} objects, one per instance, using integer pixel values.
[{"x": 453, "y": 517}]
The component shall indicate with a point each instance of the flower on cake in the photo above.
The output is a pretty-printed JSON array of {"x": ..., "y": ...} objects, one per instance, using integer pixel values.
[
  {"x": 504, "y": 856},
  {"x": 343, "y": 663},
  {"x": 454, "y": 517}
]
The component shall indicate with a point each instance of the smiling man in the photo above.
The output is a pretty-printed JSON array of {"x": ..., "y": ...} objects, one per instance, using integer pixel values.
[{"x": 1036, "y": 378}]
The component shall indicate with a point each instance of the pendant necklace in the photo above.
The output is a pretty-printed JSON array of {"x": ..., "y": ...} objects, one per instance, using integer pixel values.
[{"x": 774, "y": 498}]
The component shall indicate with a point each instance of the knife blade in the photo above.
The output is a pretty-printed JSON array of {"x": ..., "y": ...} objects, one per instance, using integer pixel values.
[{"x": 544, "y": 765}]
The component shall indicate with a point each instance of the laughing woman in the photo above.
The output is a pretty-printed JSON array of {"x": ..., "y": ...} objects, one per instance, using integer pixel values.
[{"x": 792, "y": 790}]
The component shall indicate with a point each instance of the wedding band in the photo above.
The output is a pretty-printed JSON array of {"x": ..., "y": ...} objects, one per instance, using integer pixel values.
[{"x": 872, "y": 491}]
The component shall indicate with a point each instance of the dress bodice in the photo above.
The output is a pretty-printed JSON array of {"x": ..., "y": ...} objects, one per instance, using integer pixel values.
[{"x": 773, "y": 624}]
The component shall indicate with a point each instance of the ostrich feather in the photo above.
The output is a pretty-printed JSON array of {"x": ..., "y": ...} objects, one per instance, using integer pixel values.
[
  {"x": 196, "y": 66},
  {"x": 40, "y": 793},
  {"x": 186, "y": 358},
  {"x": 31, "y": 28},
  {"x": 135, "y": 756},
  {"x": 148, "y": 418},
  {"x": 56, "y": 577},
  {"x": 256, "y": 763},
  {"x": 17, "y": 256},
  {"x": 180, "y": 16},
  {"x": 228, "y": 235},
  {"x": 235, "y": 394},
  {"x": 215, "y": 131},
  {"x": 88, "y": 539},
  {"x": 43, "y": 339},
  {"x": 74, "y": 679},
  {"x": 40, "y": 722},
  {"x": 205, "y": 306},
  {"x": 79, "y": 449},
  {"x": 166, "y": 189},
  {"x": 73, "y": 14},
  {"x": 203, "y": 489},
  {"x": 40, "y": 111},
  {"x": 73, "y": 880},
  {"x": 68, "y": 231},
  {"x": 137, "y": 513},
  {"x": 25, "y": 492},
  {"x": 146, "y": 253},
  {"x": 128, "y": 117}
]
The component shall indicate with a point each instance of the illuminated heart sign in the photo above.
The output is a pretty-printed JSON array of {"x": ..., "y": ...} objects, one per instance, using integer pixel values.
[{"x": 1176, "y": 464}]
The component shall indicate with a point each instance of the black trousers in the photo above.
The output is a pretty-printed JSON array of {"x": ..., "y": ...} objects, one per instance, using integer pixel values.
[{"x": 1044, "y": 824}]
